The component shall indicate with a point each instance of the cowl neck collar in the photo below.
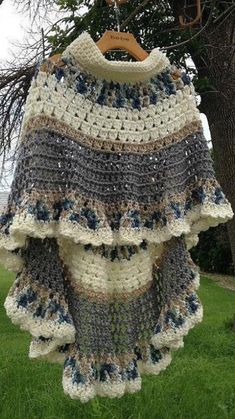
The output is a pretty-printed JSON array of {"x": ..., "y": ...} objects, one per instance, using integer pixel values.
[{"x": 85, "y": 54}]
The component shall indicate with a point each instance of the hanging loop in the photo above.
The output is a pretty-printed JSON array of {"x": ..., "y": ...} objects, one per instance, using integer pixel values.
[{"x": 198, "y": 17}]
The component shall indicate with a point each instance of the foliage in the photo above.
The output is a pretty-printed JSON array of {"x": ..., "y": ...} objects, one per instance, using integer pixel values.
[
  {"x": 230, "y": 323},
  {"x": 203, "y": 84},
  {"x": 152, "y": 26},
  {"x": 213, "y": 253}
]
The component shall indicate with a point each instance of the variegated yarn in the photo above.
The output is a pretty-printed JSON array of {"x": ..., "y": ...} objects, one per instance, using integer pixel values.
[{"x": 113, "y": 183}]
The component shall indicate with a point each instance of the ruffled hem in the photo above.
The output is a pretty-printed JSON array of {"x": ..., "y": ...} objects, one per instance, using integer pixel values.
[
  {"x": 110, "y": 379},
  {"x": 128, "y": 380},
  {"x": 110, "y": 375},
  {"x": 173, "y": 338},
  {"x": 178, "y": 318},
  {"x": 49, "y": 349},
  {"x": 52, "y": 337},
  {"x": 39, "y": 311},
  {"x": 10, "y": 260},
  {"x": 200, "y": 218}
]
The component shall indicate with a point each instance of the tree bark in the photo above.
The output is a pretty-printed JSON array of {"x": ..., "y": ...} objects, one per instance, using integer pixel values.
[
  {"x": 221, "y": 119},
  {"x": 219, "y": 106},
  {"x": 215, "y": 61}
]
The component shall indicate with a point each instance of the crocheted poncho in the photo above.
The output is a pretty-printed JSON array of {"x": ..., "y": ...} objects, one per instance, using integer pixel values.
[{"x": 113, "y": 183}]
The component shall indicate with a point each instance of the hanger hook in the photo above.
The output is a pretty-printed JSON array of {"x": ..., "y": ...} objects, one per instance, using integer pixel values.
[{"x": 117, "y": 14}]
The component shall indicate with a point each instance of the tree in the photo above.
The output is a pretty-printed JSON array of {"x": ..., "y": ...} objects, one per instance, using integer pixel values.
[{"x": 213, "y": 52}]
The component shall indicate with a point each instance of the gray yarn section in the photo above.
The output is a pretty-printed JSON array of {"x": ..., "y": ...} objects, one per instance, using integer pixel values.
[
  {"x": 174, "y": 274},
  {"x": 117, "y": 326},
  {"x": 50, "y": 161},
  {"x": 113, "y": 326},
  {"x": 43, "y": 263}
]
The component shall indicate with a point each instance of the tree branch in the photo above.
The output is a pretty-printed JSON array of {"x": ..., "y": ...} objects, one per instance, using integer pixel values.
[{"x": 134, "y": 13}]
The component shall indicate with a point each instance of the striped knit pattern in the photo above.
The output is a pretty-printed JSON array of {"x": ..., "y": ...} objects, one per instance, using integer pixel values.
[{"x": 113, "y": 183}]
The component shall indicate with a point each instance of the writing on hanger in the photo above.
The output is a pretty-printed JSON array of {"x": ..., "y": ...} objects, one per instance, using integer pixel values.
[{"x": 124, "y": 41}]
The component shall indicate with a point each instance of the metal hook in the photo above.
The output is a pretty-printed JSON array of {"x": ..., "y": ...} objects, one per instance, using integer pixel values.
[
  {"x": 117, "y": 14},
  {"x": 43, "y": 43},
  {"x": 197, "y": 18}
]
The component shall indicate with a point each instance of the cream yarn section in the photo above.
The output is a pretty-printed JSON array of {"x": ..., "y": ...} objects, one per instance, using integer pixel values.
[
  {"x": 48, "y": 97},
  {"x": 87, "y": 55},
  {"x": 95, "y": 273}
]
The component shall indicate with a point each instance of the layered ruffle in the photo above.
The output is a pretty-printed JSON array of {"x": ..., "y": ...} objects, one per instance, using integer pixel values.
[
  {"x": 84, "y": 379},
  {"x": 37, "y": 300},
  {"x": 112, "y": 376},
  {"x": 11, "y": 259},
  {"x": 72, "y": 188},
  {"x": 49, "y": 241},
  {"x": 112, "y": 186},
  {"x": 44, "y": 308},
  {"x": 175, "y": 321},
  {"x": 85, "y": 222},
  {"x": 38, "y": 310}
]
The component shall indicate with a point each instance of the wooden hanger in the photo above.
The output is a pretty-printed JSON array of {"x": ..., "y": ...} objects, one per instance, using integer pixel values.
[
  {"x": 121, "y": 40},
  {"x": 50, "y": 62},
  {"x": 109, "y": 40}
]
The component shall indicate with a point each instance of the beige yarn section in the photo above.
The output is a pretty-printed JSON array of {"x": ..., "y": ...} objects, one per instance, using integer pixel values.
[{"x": 62, "y": 128}]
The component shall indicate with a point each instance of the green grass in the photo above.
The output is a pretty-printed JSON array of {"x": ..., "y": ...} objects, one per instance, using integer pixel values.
[{"x": 199, "y": 383}]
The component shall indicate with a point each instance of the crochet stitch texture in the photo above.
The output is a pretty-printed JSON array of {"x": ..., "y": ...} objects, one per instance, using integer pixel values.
[{"x": 113, "y": 183}]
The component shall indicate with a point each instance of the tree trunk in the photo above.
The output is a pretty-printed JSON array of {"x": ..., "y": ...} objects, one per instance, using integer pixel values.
[
  {"x": 215, "y": 61},
  {"x": 219, "y": 106},
  {"x": 221, "y": 119}
]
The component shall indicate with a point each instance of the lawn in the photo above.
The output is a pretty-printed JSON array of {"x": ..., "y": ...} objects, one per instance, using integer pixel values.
[{"x": 199, "y": 383}]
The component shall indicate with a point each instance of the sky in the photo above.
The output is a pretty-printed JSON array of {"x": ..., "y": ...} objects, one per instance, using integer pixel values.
[{"x": 13, "y": 28}]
